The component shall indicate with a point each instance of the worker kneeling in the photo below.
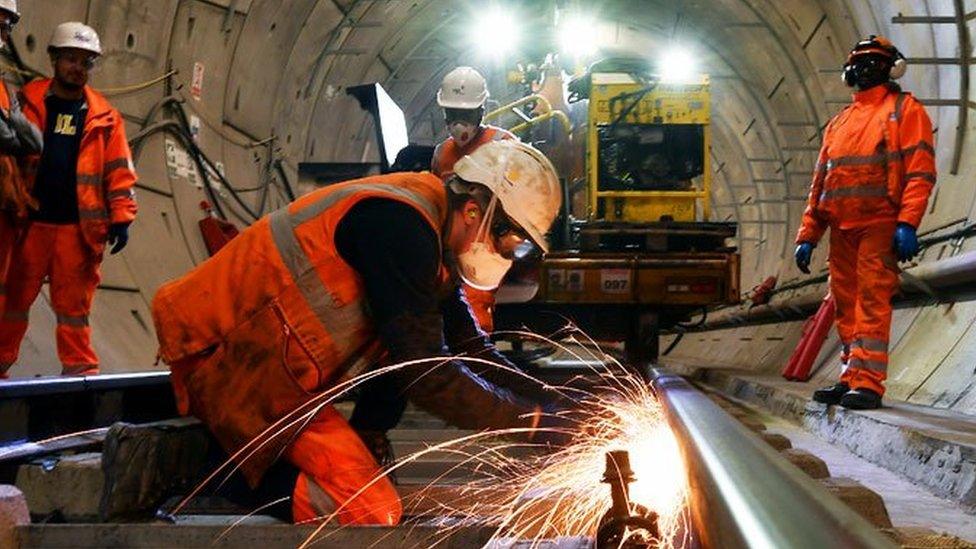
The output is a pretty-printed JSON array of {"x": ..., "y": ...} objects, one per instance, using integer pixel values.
[{"x": 312, "y": 294}]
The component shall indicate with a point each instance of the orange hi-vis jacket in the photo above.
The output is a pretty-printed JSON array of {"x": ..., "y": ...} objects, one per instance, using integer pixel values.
[
  {"x": 106, "y": 175},
  {"x": 277, "y": 316},
  {"x": 877, "y": 163},
  {"x": 447, "y": 153},
  {"x": 14, "y": 196}
]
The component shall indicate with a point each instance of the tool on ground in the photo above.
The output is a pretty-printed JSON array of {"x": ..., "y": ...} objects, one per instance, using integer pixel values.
[
  {"x": 625, "y": 524},
  {"x": 815, "y": 331}
]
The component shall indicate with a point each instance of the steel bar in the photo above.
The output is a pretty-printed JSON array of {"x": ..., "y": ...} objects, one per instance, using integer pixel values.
[{"x": 743, "y": 493}]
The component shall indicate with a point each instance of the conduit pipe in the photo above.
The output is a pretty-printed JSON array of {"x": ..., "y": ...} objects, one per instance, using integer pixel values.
[{"x": 954, "y": 272}]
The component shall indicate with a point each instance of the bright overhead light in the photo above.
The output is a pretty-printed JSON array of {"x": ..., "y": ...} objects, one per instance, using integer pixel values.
[
  {"x": 496, "y": 32},
  {"x": 677, "y": 65},
  {"x": 578, "y": 35}
]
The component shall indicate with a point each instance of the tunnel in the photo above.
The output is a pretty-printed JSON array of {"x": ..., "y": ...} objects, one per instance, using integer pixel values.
[{"x": 230, "y": 107}]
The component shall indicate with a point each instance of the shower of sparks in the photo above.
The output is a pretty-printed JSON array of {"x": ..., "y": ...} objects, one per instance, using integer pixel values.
[
  {"x": 524, "y": 489},
  {"x": 530, "y": 492}
]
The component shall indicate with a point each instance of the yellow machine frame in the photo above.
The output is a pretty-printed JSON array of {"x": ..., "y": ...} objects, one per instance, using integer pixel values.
[{"x": 668, "y": 103}]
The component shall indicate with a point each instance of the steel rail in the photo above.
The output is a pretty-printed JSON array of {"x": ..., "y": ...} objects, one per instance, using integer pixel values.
[{"x": 743, "y": 493}]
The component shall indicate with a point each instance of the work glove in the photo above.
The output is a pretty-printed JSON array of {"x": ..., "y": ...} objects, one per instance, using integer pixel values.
[
  {"x": 802, "y": 255},
  {"x": 118, "y": 237},
  {"x": 906, "y": 242}
]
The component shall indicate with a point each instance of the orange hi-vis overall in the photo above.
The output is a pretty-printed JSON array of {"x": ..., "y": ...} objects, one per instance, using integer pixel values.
[
  {"x": 876, "y": 169},
  {"x": 14, "y": 201},
  {"x": 447, "y": 154},
  {"x": 70, "y": 255},
  {"x": 254, "y": 334}
]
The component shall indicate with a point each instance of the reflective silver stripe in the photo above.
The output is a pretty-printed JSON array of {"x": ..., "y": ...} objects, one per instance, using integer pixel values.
[
  {"x": 928, "y": 176},
  {"x": 870, "y": 344},
  {"x": 340, "y": 322},
  {"x": 113, "y": 165},
  {"x": 16, "y": 315},
  {"x": 854, "y": 192},
  {"x": 89, "y": 179},
  {"x": 868, "y": 365},
  {"x": 820, "y": 168},
  {"x": 75, "y": 321},
  {"x": 899, "y": 104},
  {"x": 879, "y": 158},
  {"x": 435, "y": 161},
  {"x": 124, "y": 193},
  {"x": 96, "y": 214},
  {"x": 320, "y": 500},
  {"x": 313, "y": 210}
]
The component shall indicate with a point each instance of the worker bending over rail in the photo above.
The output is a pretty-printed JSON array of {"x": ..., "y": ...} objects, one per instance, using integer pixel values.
[
  {"x": 18, "y": 138},
  {"x": 871, "y": 185},
  {"x": 82, "y": 184},
  {"x": 314, "y": 293}
]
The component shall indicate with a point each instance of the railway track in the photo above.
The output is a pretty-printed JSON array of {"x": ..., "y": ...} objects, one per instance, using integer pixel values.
[{"x": 744, "y": 492}]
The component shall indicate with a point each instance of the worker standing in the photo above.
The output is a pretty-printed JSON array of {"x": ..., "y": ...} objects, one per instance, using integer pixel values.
[
  {"x": 18, "y": 138},
  {"x": 463, "y": 95},
  {"x": 279, "y": 316},
  {"x": 83, "y": 186},
  {"x": 871, "y": 185}
]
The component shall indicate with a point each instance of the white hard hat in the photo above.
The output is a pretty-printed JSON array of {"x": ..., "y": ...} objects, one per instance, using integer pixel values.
[
  {"x": 75, "y": 35},
  {"x": 10, "y": 6},
  {"x": 522, "y": 178},
  {"x": 463, "y": 88}
]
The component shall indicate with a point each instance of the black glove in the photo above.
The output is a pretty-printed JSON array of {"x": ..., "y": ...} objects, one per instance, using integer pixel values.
[{"x": 118, "y": 237}]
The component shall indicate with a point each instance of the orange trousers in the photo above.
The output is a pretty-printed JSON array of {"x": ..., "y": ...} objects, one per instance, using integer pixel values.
[
  {"x": 335, "y": 465},
  {"x": 482, "y": 304},
  {"x": 863, "y": 279},
  {"x": 58, "y": 252}
]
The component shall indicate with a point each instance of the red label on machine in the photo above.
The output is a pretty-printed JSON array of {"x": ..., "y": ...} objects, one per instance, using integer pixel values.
[
  {"x": 615, "y": 281},
  {"x": 196, "y": 85}
]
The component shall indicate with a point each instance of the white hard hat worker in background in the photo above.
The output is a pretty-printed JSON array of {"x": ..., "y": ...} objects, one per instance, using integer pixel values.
[
  {"x": 463, "y": 95},
  {"x": 77, "y": 46},
  {"x": 386, "y": 255}
]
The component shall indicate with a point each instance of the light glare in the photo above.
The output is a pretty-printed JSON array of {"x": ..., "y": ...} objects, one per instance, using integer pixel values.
[
  {"x": 577, "y": 35},
  {"x": 677, "y": 65},
  {"x": 496, "y": 33}
]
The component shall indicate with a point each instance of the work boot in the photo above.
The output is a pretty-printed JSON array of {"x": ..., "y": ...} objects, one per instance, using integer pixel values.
[
  {"x": 861, "y": 399},
  {"x": 379, "y": 445},
  {"x": 832, "y": 394}
]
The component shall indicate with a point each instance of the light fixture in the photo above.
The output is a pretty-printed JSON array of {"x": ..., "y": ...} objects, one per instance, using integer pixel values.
[
  {"x": 578, "y": 35},
  {"x": 677, "y": 66},
  {"x": 495, "y": 32}
]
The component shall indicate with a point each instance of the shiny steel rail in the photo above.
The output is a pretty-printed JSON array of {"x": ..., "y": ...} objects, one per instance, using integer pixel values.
[{"x": 744, "y": 494}]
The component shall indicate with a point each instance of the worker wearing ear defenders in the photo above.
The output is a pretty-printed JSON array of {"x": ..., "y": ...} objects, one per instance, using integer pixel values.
[{"x": 871, "y": 184}]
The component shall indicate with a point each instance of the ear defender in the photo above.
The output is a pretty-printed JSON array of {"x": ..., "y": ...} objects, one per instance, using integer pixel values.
[{"x": 899, "y": 68}]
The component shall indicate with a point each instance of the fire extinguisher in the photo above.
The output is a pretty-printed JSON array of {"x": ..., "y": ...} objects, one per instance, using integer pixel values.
[{"x": 815, "y": 331}]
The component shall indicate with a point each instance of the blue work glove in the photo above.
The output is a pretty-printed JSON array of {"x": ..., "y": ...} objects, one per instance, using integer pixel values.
[
  {"x": 802, "y": 256},
  {"x": 906, "y": 242},
  {"x": 118, "y": 237}
]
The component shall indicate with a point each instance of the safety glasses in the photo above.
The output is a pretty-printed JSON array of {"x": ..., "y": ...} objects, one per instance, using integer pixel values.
[
  {"x": 503, "y": 227},
  {"x": 470, "y": 116}
]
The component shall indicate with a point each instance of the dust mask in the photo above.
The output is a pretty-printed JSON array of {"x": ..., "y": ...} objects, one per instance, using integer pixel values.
[
  {"x": 463, "y": 132},
  {"x": 481, "y": 267}
]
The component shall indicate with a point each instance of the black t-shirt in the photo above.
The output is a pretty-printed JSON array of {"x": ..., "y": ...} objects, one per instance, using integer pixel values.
[{"x": 57, "y": 175}]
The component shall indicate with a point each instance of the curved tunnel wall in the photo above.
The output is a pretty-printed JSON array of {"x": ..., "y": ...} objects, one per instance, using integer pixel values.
[{"x": 272, "y": 95}]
